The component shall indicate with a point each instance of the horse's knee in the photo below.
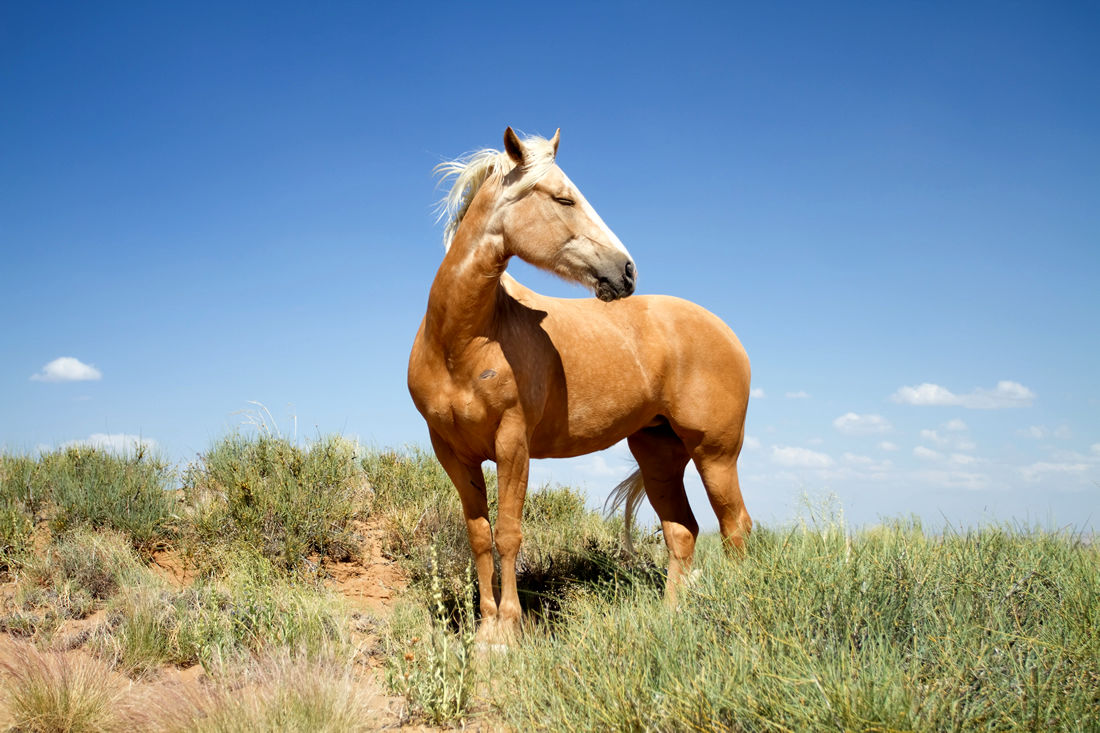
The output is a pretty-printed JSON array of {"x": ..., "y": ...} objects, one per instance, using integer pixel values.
[
  {"x": 480, "y": 535},
  {"x": 508, "y": 541}
]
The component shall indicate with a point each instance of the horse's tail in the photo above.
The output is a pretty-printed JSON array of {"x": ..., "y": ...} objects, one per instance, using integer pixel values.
[{"x": 627, "y": 494}]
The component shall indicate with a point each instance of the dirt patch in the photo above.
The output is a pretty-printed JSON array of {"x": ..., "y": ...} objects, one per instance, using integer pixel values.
[
  {"x": 372, "y": 583},
  {"x": 173, "y": 567}
]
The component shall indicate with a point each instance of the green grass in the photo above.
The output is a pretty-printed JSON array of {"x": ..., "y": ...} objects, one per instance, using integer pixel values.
[
  {"x": 814, "y": 629},
  {"x": 20, "y": 500}
]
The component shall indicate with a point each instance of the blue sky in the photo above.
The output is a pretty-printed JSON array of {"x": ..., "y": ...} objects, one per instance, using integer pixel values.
[{"x": 215, "y": 203}]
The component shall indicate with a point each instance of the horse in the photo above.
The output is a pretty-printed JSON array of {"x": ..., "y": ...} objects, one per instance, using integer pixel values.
[{"x": 502, "y": 373}]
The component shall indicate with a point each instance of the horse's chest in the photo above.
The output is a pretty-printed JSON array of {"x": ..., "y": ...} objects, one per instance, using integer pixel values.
[{"x": 462, "y": 405}]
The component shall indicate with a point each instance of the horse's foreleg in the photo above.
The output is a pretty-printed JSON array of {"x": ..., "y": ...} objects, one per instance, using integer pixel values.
[
  {"x": 513, "y": 460},
  {"x": 470, "y": 482}
]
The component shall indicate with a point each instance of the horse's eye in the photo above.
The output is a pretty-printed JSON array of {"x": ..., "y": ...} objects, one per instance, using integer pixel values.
[{"x": 564, "y": 201}]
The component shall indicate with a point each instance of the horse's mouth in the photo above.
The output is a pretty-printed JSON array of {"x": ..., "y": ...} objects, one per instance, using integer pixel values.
[{"x": 608, "y": 291}]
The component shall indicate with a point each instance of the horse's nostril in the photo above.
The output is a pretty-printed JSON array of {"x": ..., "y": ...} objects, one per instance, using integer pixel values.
[{"x": 630, "y": 270}]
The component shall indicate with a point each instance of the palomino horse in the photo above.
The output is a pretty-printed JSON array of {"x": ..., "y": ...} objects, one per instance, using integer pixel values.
[{"x": 501, "y": 373}]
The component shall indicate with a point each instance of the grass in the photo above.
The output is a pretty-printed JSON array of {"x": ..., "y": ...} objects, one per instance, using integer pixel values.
[
  {"x": 814, "y": 628},
  {"x": 19, "y": 502},
  {"x": 252, "y": 609},
  {"x": 431, "y": 665},
  {"x": 44, "y": 692},
  {"x": 48, "y": 693},
  {"x": 281, "y": 693}
]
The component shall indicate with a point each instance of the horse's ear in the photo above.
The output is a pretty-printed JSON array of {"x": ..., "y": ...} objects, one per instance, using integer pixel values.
[
  {"x": 513, "y": 146},
  {"x": 555, "y": 140}
]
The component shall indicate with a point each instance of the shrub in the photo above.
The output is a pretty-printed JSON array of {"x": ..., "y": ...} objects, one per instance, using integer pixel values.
[
  {"x": 15, "y": 534},
  {"x": 289, "y": 501},
  {"x": 21, "y": 484},
  {"x": 20, "y": 500},
  {"x": 94, "y": 488}
]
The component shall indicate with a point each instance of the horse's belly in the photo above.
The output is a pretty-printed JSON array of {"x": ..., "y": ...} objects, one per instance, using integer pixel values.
[{"x": 587, "y": 429}]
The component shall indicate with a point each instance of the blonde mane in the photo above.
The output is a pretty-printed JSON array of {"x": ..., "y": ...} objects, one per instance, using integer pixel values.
[{"x": 472, "y": 170}]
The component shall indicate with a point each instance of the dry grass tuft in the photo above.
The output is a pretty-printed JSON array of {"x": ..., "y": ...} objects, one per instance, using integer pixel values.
[{"x": 44, "y": 692}]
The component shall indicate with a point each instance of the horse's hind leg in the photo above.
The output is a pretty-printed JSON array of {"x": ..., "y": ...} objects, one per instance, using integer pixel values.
[
  {"x": 662, "y": 458},
  {"x": 718, "y": 469}
]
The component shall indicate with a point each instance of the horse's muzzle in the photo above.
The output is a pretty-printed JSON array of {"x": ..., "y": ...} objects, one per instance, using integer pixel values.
[{"x": 608, "y": 289}]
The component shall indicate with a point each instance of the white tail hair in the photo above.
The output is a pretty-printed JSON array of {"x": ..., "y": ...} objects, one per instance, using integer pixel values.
[{"x": 628, "y": 495}]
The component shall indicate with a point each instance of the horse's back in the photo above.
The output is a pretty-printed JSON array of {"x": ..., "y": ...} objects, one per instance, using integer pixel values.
[{"x": 646, "y": 355}]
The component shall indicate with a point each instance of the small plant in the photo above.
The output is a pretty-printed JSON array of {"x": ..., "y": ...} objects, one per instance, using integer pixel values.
[
  {"x": 15, "y": 533},
  {"x": 435, "y": 672}
]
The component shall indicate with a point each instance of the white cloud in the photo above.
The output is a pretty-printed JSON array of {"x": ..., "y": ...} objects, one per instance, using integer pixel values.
[
  {"x": 67, "y": 369},
  {"x": 1037, "y": 470},
  {"x": 962, "y": 459},
  {"x": 932, "y": 437},
  {"x": 799, "y": 395},
  {"x": 867, "y": 463},
  {"x": 852, "y": 424},
  {"x": 886, "y": 445},
  {"x": 954, "y": 479},
  {"x": 1005, "y": 394},
  {"x": 800, "y": 457},
  {"x": 927, "y": 454},
  {"x": 757, "y": 393},
  {"x": 751, "y": 443},
  {"x": 1039, "y": 432},
  {"x": 955, "y": 426},
  {"x": 597, "y": 466},
  {"x": 113, "y": 442},
  {"x": 1095, "y": 449}
]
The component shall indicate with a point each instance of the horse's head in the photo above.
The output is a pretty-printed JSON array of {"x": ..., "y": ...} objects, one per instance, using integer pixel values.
[{"x": 545, "y": 220}]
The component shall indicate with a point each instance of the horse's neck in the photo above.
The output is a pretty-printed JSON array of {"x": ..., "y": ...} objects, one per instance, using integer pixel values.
[{"x": 464, "y": 294}]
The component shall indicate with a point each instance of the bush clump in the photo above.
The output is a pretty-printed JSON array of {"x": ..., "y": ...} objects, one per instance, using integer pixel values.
[
  {"x": 289, "y": 501},
  {"x": 102, "y": 490}
]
